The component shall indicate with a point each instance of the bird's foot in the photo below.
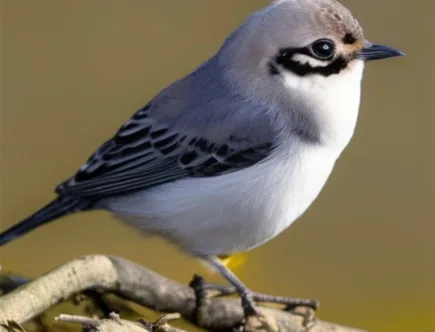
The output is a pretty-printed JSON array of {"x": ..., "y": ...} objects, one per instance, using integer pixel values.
[
  {"x": 302, "y": 307},
  {"x": 249, "y": 298}
]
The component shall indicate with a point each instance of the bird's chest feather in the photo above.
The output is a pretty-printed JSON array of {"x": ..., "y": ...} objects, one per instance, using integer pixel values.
[
  {"x": 232, "y": 212},
  {"x": 292, "y": 184}
]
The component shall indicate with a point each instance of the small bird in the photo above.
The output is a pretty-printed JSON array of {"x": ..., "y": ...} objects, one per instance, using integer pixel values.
[{"x": 226, "y": 158}]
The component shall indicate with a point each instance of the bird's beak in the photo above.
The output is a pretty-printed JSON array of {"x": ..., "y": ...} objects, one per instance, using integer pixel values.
[{"x": 377, "y": 52}]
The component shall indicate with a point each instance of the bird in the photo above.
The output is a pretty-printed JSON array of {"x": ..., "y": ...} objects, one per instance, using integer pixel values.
[{"x": 226, "y": 158}]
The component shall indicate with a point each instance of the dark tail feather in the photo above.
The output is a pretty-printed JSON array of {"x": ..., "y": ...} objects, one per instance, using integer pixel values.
[{"x": 57, "y": 208}]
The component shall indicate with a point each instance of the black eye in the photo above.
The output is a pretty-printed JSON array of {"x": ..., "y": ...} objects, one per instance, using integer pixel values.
[{"x": 323, "y": 49}]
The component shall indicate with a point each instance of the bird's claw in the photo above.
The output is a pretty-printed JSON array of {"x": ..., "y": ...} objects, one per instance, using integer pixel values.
[{"x": 302, "y": 307}]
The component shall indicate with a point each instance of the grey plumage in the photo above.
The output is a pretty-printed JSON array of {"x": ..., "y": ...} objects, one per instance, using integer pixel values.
[{"x": 179, "y": 134}]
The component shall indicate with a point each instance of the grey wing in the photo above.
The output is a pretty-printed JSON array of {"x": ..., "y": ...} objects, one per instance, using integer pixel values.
[{"x": 144, "y": 153}]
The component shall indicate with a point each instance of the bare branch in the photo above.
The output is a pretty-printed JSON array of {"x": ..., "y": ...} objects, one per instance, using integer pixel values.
[
  {"x": 116, "y": 324},
  {"x": 145, "y": 287},
  {"x": 79, "y": 320}
]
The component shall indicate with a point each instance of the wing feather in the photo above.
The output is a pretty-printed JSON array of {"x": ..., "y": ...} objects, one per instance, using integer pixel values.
[{"x": 185, "y": 131}]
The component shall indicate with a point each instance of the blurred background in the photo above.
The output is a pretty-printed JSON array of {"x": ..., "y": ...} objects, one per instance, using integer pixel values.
[{"x": 73, "y": 71}]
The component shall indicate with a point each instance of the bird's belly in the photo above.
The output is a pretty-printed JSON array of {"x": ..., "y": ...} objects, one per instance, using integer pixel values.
[{"x": 233, "y": 212}]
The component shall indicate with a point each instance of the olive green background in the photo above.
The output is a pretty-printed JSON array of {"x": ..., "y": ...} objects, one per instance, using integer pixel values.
[{"x": 73, "y": 71}]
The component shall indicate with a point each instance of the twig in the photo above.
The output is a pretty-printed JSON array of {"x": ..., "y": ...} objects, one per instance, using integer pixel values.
[
  {"x": 143, "y": 286},
  {"x": 116, "y": 324},
  {"x": 78, "y": 320}
]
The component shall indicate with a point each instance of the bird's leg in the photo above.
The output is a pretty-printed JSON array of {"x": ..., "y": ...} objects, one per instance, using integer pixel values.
[
  {"x": 247, "y": 296},
  {"x": 248, "y": 303}
]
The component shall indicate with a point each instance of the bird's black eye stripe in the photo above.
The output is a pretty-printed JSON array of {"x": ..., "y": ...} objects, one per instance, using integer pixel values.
[
  {"x": 287, "y": 54},
  {"x": 285, "y": 59},
  {"x": 272, "y": 69}
]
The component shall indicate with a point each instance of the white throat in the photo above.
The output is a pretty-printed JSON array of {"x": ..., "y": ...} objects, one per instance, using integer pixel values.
[{"x": 334, "y": 100}]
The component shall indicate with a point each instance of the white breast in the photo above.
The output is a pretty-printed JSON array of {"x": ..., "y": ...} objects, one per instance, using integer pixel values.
[{"x": 233, "y": 212}]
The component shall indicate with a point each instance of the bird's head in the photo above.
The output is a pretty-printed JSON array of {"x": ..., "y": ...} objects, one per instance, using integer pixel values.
[
  {"x": 306, "y": 56},
  {"x": 301, "y": 41}
]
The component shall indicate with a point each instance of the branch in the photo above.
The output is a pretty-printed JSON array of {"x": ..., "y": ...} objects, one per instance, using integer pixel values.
[
  {"x": 145, "y": 287},
  {"x": 116, "y": 324}
]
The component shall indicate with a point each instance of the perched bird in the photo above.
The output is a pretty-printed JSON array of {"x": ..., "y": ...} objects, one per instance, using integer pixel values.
[{"x": 226, "y": 158}]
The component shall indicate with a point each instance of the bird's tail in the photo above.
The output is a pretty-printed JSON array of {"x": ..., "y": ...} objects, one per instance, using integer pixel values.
[{"x": 57, "y": 208}]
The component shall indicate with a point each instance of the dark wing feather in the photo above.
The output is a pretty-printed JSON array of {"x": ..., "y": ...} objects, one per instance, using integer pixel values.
[
  {"x": 198, "y": 126},
  {"x": 143, "y": 154}
]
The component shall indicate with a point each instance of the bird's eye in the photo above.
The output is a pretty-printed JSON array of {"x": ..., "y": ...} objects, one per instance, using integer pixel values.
[{"x": 323, "y": 49}]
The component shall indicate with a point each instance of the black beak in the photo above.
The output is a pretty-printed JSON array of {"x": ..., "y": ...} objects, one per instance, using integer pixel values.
[{"x": 377, "y": 52}]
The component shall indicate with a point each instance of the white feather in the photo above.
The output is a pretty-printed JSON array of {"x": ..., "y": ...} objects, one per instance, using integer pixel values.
[
  {"x": 233, "y": 212},
  {"x": 334, "y": 100},
  {"x": 305, "y": 59}
]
